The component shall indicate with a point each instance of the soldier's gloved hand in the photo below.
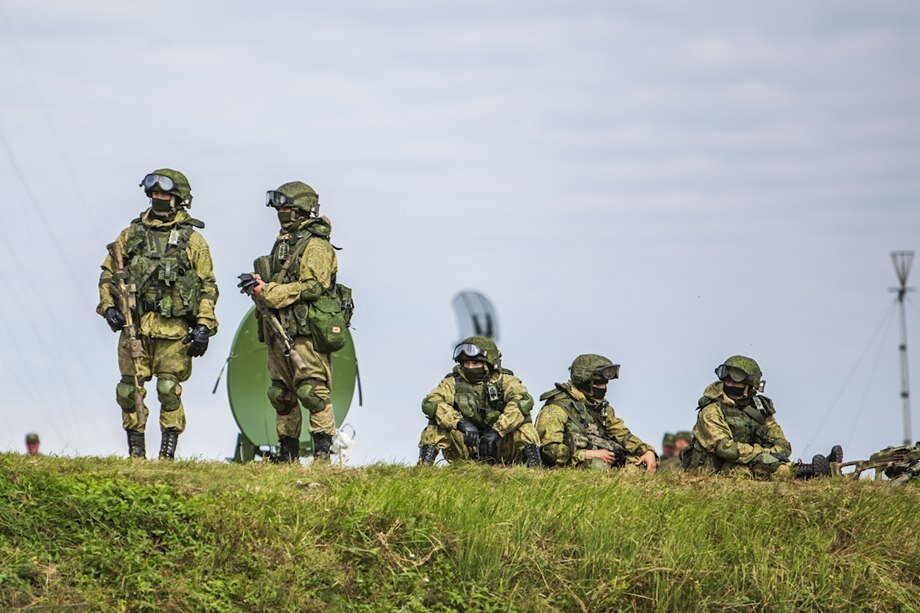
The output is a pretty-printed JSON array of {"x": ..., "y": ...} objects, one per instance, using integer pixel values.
[
  {"x": 197, "y": 340},
  {"x": 780, "y": 457},
  {"x": 470, "y": 432},
  {"x": 488, "y": 444},
  {"x": 114, "y": 318}
]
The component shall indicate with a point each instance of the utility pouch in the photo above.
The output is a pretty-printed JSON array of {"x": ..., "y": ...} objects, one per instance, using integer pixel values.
[
  {"x": 348, "y": 305},
  {"x": 262, "y": 266},
  {"x": 326, "y": 323},
  {"x": 168, "y": 272}
]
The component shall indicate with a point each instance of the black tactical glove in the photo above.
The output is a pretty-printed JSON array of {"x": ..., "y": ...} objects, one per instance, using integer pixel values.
[
  {"x": 488, "y": 444},
  {"x": 470, "y": 432},
  {"x": 114, "y": 318},
  {"x": 780, "y": 457},
  {"x": 247, "y": 283},
  {"x": 620, "y": 456},
  {"x": 197, "y": 340}
]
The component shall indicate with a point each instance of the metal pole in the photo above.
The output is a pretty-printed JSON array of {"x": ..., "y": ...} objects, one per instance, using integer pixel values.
[
  {"x": 905, "y": 377},
  {"x": 902, "y": 262}
]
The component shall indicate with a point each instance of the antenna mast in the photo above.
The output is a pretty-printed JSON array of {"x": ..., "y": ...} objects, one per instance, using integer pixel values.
[{"x": 902, "y": 263}]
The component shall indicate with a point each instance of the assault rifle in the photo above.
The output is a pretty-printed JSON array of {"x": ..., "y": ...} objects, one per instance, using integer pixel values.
[
  {"x": 900, "y": 464},
  {"x": 246, "y": 285},
  {"x": 126, "y": 294},
  {"x": 593, "y": 441}
]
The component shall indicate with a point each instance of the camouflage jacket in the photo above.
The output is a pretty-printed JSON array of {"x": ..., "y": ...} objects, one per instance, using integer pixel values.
[{"x": 557, "y": 428}]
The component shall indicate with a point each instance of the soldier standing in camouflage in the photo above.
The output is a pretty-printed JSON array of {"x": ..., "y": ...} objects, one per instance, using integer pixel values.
[
  {"x": 578, "y": 427},
  {"x": 168, "y": 265},
  {"x": 302, "y": 267},
  {"x": 479, "y": 411},
  {"x": 736, "y": 431}
]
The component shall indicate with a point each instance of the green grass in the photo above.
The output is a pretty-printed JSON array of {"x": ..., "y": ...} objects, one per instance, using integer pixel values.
[{"x": 113, "y": 534}]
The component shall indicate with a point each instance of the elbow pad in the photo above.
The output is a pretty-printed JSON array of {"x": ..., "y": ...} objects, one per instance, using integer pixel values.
[
  {"x": 313, "y": 291},
  {"x": 727, "y": 450},
  {"x": 429, "y": 406}
]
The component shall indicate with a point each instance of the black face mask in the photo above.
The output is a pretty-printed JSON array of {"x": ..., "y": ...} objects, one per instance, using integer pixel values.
[
  {"x": 161, "y": 207},
  {"x": 735, "y": 393},
  {"x": 287, "y": 218},
  {"x": 593, "y": 393},
  {"x": 475, "y": 375}
]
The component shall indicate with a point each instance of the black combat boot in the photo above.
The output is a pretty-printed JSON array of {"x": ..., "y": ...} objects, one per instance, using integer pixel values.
[
  {"x": 288, "y": 450},
  {"x": 532, "y": 456},
  {"x": 819, "y": 467},
  {"x": 321, "y": 445},
  {"x": 836, "y": 454},
  {"x": 168, "y": 446},
  {"x": 427, "y": 455},
  {"x": 137, "y": 447}
]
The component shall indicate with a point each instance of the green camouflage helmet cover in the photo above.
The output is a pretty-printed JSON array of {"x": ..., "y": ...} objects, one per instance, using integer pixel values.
[
  {"x": 668, "y": 440},
  {"x": 183, "y": 189},
  {"x": 303, "y": 197},
  {"x": 749, "y": 366},
  {"x": 684, "y": 435},
  {"x": 585, "y": 366},
  {"x": 32, "y": 438},
  {"x": 490, "y": 353}
]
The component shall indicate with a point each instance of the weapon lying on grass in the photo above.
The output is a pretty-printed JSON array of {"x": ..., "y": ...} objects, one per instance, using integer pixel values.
[{"x": 899, "y": 464}]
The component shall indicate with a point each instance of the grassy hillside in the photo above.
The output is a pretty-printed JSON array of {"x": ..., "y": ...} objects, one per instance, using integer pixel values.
[{"x": 109, "y": 533}]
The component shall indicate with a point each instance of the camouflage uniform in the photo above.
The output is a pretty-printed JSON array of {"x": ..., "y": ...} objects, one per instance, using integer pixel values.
[
  {"x": 301, "y": 268},
  {"x": 179, "y": 294},
  {"x": 500, "y": 402},
  {"x": 671, "y": 462}
]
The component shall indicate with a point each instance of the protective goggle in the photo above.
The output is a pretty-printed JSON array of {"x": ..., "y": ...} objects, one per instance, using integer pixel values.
[
  {"x": 732, "y": 372},
  {"x": 470, "y": 351},
  {"x": 160, "y": 183},
  {"x": 277, "y": 199},
  {"x": 607, "y": 373}
]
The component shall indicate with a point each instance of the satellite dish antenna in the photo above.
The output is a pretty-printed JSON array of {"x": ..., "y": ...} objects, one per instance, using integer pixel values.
[{"x": 475, "y": 315}]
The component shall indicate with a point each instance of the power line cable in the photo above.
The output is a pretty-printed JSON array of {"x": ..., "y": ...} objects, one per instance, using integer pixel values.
[
  {"x": 849, "y": 378},
  {"x": 33, "y": 84},
  {"x": 866, "y": 390}
]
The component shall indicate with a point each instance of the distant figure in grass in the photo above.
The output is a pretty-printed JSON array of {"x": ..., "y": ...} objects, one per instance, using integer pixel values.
[
  {"x": 736, "y": 431},
  {"x": 32, "y": 443},
  {"x": 479, "y": 411},
  {"x": 671, "y": 446},
  {"x": 578, "y": 427}
]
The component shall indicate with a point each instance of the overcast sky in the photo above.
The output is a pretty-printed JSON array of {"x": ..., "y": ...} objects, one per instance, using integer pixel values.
[{"x": 665, "y": 183}]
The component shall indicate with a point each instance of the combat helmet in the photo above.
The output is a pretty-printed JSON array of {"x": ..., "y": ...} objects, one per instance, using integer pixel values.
[
  {"x": 295, "y": 194},
  {"x": 169, "y": 181},
  {"x": 741, "y": 369},
  {"x": 592, "y": 367},
  {"x": 478, "y": 348}
]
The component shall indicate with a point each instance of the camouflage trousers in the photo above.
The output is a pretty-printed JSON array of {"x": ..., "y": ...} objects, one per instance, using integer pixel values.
[
  {"x": 764, "y": 467},
  {"x": 450, "y": 442},
  {"x": 163, "y": 358},
  {"x": 310, "y": 387}
]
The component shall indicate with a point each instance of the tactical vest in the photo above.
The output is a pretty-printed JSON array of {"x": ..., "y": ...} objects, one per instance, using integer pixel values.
[
  {"x": 284, "y": 263},
  {"x": 583, "y": 423},
  {"x": 481, "y": 403},
  {"x": 158, "y": 264},
  {"x": 747, "y": 425}
]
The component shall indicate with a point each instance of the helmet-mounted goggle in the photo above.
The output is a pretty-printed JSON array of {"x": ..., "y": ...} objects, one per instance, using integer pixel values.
[
  {"x": 160, "y": 183},
  {"x": 734, "y": 373},
  {"x": 469, "y": 351},
  {"x": 277, "y": 199},
  {"x": 608, "y": 373}
]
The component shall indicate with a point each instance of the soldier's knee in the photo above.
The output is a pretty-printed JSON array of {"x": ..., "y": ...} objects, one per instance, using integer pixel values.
[
  {"x": 280, "y": 398},
  {"x": 310, "y": 398},
  {"x": 124, "y": 394},
  {"x": 169, "y": 392}
]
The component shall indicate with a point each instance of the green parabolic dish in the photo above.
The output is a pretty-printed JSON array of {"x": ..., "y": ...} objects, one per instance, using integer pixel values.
[{"x": 248, "y": 381}]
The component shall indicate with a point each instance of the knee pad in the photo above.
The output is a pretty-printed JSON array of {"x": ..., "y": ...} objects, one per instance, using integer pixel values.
[
  {"x": 124, "y": 394},
  {"x": 280, "y": 398},
  {"x": 306, "y": 392},
  {"x": 169, "y": 392}
]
